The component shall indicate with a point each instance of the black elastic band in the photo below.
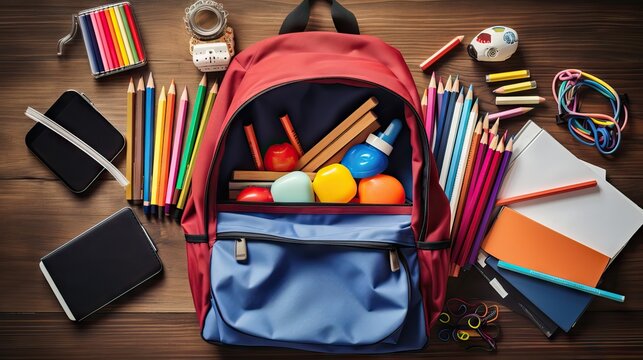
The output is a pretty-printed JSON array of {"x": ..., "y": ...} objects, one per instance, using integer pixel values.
[
  {"x": 296, "y": 21},
  {"x": 196, "y": 239},
  {"x": 434, "y": 245}
]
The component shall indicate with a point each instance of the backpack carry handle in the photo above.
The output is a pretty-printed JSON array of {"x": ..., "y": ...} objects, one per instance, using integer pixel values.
[{"x": 296, "y": 21}]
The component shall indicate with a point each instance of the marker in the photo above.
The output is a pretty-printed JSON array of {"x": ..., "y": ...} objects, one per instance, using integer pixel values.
[
  {"x": 509, "y": 75},
  {"x": 560, "y": 281}
]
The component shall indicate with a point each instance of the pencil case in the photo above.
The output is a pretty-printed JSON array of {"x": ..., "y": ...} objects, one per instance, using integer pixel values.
[{"x": 112, "y": 39}]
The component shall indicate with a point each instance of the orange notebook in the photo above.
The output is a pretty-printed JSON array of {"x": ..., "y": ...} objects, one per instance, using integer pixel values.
[{"x": 519, "y": 240}]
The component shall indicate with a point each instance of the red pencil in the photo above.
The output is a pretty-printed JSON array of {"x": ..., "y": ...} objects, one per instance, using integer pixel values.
[
  {"x": 489, "y": 179},
  {"x": 430, "y": 109},
  {"x": 108, "y": 38},
  {"x": 134, "y": 30},
  {"x": 440, "y": 53}
]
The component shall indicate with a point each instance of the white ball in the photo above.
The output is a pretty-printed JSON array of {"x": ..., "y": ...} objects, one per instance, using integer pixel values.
[{"x": 496, "y": 43}]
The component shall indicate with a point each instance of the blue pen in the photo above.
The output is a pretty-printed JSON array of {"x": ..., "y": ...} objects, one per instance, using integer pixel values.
[
  {"x": 149, "y": 143},
  {"x": 459, "y": 141},
  {"x": 441, "y": 115},
  {"x": 560, "y": 281},
  {"x": 447, "y": 123}
]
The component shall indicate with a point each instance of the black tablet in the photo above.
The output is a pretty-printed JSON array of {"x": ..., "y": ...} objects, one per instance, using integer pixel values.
[
  {"x": 75, "y": 112},
  {"x": 101, "y": 264}
]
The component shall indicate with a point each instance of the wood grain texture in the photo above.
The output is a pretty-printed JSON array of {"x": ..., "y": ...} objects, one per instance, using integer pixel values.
[{"x": 157, "y": 320}]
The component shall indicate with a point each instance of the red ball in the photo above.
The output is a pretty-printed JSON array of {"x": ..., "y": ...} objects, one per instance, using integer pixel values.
[
  {"x": 281, "y": 157},
  {"x": 255, "y": 194}
]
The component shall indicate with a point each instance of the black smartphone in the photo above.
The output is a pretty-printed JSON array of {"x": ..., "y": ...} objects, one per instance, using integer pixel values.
[{"x": 77, "y": 114}]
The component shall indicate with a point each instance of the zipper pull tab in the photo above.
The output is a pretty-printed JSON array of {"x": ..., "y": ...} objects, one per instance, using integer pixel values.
[
  {"x": 241, "y": 250},
  {"x": 394, "y": 260}
]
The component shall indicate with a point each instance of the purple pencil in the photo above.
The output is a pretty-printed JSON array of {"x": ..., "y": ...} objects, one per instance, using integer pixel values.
[
  {"x": 490, "y": 203},
  {"x": 510, "y": 113}
]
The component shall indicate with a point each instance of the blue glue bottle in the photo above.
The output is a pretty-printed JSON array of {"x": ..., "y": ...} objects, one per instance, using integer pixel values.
[{"x": 371, "y": 158}]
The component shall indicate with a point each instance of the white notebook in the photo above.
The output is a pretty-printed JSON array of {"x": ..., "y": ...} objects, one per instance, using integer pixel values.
[{"x": 600, "y": 217}]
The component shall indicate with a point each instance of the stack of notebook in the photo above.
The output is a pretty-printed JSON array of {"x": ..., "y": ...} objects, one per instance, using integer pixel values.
[{"x": 573, "y": 235}]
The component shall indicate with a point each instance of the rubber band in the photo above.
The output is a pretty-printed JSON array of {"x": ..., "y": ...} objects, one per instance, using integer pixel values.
[{"x": 592, "y": 129}]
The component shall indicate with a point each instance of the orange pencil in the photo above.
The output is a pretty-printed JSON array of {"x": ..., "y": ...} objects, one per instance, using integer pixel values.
[
  {"x": 292, "y": 135},
  {"x": 167, "y": 145},
  {"x": 468, "y": 171},
  {"x": 548, "y": 192}
]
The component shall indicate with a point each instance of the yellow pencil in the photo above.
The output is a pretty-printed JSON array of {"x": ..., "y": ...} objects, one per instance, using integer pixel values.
[
  {"x": 512, "y": 88},
  {"x": 123, "y": 30},
  {"x": 204, "y": 123},
  {"x": 119, "y": 36},
  {"x": 131, "y": 94},
  {"x": 509, "y": 75},
  {"x": 159, "y": 126}
]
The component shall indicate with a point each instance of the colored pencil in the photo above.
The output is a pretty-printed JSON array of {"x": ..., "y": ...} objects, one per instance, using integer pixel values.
[
  {"x": 519, "y": 100},
  {"x": 159, "y": 127},
  {"x": 451, "y": 138},
  {"x": 176, "y": 150},
  {"x": 129, "y": 156},
  {"x": 482, "y": 150},
  {"x": 509, "y": 75},
  {"x": 167, "y": 146},
  {"x": 149, "y": 143},
  {"x": 472, "y": 198},
  {"x": 502, "y": 115},
  {"x": 439, "y": 95},
  {"x": 442, "y": 116},
  {"x": 204, "y": 123},
  {"x": 190, "y": 137},
  {"x": 461, "y": 164},
  {"x": 108, "y": 39},
  {"x": 139, "y": 141},
  {"x": 291, "y": 134},
  {"x": 494, "y": 129},
  {"x": 487, "y": 180},
  {"x": 112, "y": 33},
  {"x": 466, "y": 178},
  {"x": 560, "y": 281},
  {"x": 424, "y": 102},
  {"x": 119, "y": 36},
  {"x": 123, "y": 34},
  {"x": 459, "y": 142},
  {"x": 446, "y": 129},
  {"x": 134, "y": 31},
  {"x": 548, "y": 192},
  {"x": 430, "y": 109},
  {"x": 440, "y": 53},
  {"x": 95, "y": 42},
  {"x": 100, "y": 39},
  {"x": 128, "y": 32},
  {"x": 482, "y": 229},
  {"x": 512, "y": 88},
  {"x": 89, "y": 44}
]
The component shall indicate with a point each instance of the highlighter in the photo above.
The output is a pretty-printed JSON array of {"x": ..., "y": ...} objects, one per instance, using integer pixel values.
[{"x": 371, "y": 158}]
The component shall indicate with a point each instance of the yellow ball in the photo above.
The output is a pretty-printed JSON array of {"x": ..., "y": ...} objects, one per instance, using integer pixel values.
[{"x": 334, "y": 184}]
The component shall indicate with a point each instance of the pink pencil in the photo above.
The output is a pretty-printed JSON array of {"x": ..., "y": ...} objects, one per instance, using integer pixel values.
[
  {"x": 440, "y": 53},
  {"x": 106, "y": 47},
  {"x": 510, "y": 113},
  {"x": 430, "y": 109},
  {"x": 100, "y": 41},
  {"x": 489, "y": 179},
  {"x": 108, "y": 38},
  {"x": 176, "y": 150}
]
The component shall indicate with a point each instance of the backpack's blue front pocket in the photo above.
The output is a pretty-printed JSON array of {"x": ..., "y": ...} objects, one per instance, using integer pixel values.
[{"x": 300, "y": 286}]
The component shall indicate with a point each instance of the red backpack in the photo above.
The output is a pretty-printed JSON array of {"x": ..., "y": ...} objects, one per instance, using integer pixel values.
[{"x": 316, "y": 276}]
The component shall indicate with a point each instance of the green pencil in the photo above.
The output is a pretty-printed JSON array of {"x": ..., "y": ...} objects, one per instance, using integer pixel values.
[
  {"x": 194, "y": 125},
  {"x": 129, "y": 33}
]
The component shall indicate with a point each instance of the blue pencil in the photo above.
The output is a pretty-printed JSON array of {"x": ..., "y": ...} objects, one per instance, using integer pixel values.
[
  {"x": 447, "y": 122},
  {"x": 149, "y": 144},
  {"x": 441, "y": 115},
  {"x": 560, "y": 281},
  {"x": 90, "y": 44},
  {"x": 459, "y": 141}
]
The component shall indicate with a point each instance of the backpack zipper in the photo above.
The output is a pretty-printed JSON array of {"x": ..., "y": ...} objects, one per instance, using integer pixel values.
[
  {"x": 418, "y": 118},
  {"x": 241, "y": 246}
]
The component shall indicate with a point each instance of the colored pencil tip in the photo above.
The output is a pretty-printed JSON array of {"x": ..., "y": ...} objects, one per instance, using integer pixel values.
[
  {"x": 460, "y": 38},
  {"x": 204, "y": 80},
  {"x": 184, "y": 95},
  {"x": 214, "y": 88},
  {"x": 141, "y": 84},
  {"x": 150, "y": 81},
  {"x": 432, "y": 82},
  {"x": 541, "y": 99},
  {"x": 172, "y": 89},
  {"x": 130, "y": 87}
]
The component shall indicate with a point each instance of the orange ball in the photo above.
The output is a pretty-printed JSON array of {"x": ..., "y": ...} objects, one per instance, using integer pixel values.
[{"x": 381, "y": 189}]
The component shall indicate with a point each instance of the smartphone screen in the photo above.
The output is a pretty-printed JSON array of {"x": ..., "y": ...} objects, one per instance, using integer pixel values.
[{"x": 76, "y": 114}]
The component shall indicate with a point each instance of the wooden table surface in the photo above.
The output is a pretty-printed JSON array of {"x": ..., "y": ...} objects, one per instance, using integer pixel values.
[{"x": 157, "y": 320}]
